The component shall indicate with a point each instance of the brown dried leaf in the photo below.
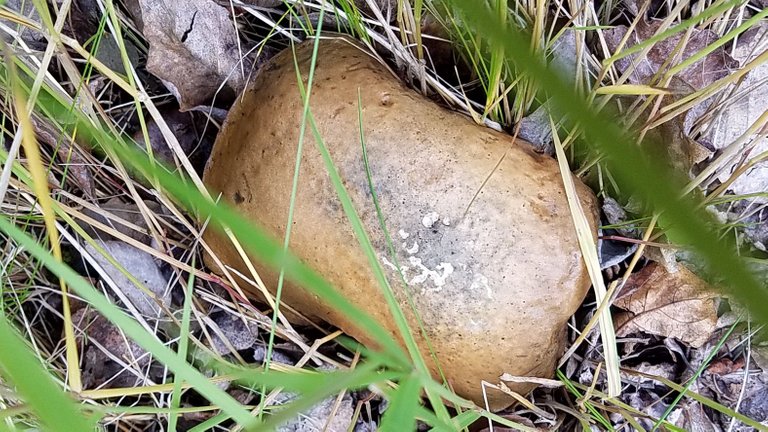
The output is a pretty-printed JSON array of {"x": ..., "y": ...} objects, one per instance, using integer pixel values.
[
  {"x": 190, "y": 129},
  {"x": 104, "y": 348},
  {"x": 192, "y": 48},
  {"x": 714, "y": 66},
  {"x": 678, "y": 305},
  {"x": 674, "y": 147}
]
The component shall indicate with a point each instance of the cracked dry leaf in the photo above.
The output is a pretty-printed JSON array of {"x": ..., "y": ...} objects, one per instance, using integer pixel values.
[
  {"x": 192, "y": 48},
  {"x": 678, "y": 305}
]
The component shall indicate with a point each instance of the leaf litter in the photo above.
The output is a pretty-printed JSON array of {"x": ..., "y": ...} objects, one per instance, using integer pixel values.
[{"x": 670, "y": 318}]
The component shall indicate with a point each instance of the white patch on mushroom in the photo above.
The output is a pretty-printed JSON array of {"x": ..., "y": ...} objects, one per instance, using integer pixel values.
[
  {"x": 430, "y": 219},
  {"x": 403, "y": 235},
  {"x": 438, "y": 275},
  {"x": 387, "y": 263},
  {"x": 446, "y": 221},
  {"x": 413, "y": 249},
  {"x": 478, "y": 325},
  {"x": 479, "y": 281}
]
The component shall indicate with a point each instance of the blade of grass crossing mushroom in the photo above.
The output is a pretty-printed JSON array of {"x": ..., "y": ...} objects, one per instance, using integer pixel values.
[
  {"x": 388, "y": 238},
  {"x": 591, "y": 324},
  {"x": 40, "y": 185},
  {"x": 259, "y": 244},
  {"x": 653, "y": 182},
  {"x": 373, "y": 261},
  {"x": 294, "y": 187},
  {"x": 589, "y": 253}
]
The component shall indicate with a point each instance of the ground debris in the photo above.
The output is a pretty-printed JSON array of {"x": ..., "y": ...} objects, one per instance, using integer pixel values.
[
  {"x": 141, "y": 266},
  {"x": 110, "y": 359},
  {"x": 193, "y": 49},
  {"x": 678, "y": 305}
]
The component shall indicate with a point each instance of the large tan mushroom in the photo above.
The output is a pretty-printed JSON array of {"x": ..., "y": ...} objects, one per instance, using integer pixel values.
[{"x": 480, "y": 222}]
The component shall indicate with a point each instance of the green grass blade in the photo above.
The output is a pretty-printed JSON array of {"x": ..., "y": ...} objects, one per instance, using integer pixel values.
[
  {"x": 131, "y": 328},
  {"x": 53, "y": 407},
  {"x": 182, "y": 351},
  {"x": 401, "y": 413},
  {"x": 335, "y": 383}
]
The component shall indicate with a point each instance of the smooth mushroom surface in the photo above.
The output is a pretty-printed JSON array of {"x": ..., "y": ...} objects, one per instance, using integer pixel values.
[{"x": 479, "y": 222}]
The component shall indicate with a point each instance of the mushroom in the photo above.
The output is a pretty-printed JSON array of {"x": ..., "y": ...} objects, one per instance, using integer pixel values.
[{"x": 484, "y": 244}]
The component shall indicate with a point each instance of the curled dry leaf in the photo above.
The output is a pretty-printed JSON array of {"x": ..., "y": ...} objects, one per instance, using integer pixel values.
[
  {"x": 192, "y": 48},
  {"x": 658, "y": 302}
]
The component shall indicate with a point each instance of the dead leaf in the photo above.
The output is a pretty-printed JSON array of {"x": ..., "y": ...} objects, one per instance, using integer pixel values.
[
  {"x": 142, "y": 267},
  {"x": 678, "y": 305},
  {"x": 192, "y": 48},
  {"x": 237, "y": 333},
  {"x": 714, "y": 66},
  {"x": 725, "y": 366},
  {"x": 124, "y": 217},
  {"x": 760, "y": 355},
  {"x": 692, "y": 417},
  {"x": 324, "y": 416},
  {"x": 195, "y": 137},
  {"x": 104, "y": 348}
]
